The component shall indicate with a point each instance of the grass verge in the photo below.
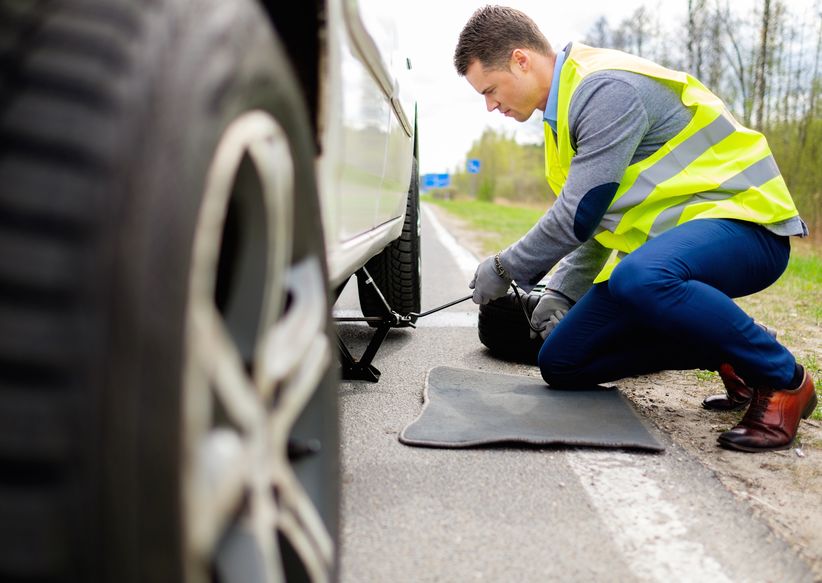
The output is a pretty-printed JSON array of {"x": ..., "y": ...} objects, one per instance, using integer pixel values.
[{"x": 497, "y": 225}]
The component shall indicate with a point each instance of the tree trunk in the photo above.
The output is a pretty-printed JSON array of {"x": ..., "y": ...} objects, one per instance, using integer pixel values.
[
  {"x": 737, "y": 62},
  {"x": 813, "y": 93},
  {"x": 760, "y": 80},
  {"x": 716, "y": 69},
  {"x": 696, "y": 33}
]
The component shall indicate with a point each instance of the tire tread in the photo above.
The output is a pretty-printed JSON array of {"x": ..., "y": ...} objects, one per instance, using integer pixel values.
[
  {"x": 396, "y": 268},
  {"x": 503, "y": 329},
  {"x": 60, "y": 65}
]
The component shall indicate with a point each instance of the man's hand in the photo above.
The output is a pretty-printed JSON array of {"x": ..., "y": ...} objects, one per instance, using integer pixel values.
[
  {"x": 551, "y": 308},
  {"x": 488, "y": 284}
]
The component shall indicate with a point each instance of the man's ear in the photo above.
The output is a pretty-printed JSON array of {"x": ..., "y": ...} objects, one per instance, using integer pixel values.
[{"x": 520, "y": 59}]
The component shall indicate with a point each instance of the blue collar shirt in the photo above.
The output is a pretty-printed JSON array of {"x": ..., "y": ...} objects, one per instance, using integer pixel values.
[{"x": 550, "y": 115}]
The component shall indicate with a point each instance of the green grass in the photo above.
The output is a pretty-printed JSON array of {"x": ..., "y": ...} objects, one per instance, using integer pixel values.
[
  {"x": 802, "y": 281},
  {"x": 814, "y": 369},
  {"x": 706, "y": 375},
  {"x": 498, "y": 225}
]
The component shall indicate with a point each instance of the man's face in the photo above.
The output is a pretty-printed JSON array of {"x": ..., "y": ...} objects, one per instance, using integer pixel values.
[{"x": 510, "y": 91}]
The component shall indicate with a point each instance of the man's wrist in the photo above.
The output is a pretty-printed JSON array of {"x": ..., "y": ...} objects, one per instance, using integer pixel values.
[{"x": 499, "y": 268}]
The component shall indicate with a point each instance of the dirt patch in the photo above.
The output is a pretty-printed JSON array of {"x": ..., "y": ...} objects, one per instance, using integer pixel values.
[{"x": 782, "y": 488}]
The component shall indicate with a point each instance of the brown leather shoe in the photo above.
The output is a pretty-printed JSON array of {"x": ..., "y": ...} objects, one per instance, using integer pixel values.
[
  {"x": 737, "y": 394},
  {"x": 773, "y": 419}
]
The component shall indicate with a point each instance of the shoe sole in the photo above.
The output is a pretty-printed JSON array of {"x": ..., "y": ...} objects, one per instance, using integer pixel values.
[
  {"x": 746, "y": 449},
  {"x": 738, "y": 407}
]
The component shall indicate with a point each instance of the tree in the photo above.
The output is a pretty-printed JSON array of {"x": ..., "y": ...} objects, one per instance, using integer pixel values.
[
  {"x": 736, "y": 57},
  {"x": 599, "y": 35},
  {"x": 696, "y": 35},
  {"x": 761, "y": 67},
  {"x": 508, "y": 170}
]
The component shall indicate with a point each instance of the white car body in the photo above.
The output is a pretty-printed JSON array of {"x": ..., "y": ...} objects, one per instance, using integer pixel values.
[{"x": 367, "y": 125}]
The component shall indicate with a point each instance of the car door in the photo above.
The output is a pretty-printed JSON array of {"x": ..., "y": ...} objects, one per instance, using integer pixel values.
[{"x": 378, "y": 134}]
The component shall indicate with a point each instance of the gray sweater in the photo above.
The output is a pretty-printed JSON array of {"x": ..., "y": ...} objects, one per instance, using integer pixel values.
[{"x": 616, "y": 118}]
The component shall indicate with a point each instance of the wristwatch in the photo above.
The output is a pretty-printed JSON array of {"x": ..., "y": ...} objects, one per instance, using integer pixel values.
[{"x": 500, "y": 269}]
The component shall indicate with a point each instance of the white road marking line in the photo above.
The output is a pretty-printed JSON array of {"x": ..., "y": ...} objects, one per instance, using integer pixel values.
[
  {"x": 466, "y": 260},
  {"x": 436, "y": 320},
  {"x": 647, "y": 528},
  {"x": 449, "y": 320}
]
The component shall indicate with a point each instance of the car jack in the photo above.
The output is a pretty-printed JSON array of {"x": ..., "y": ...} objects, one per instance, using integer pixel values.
[{"x": 362, "y": 369}]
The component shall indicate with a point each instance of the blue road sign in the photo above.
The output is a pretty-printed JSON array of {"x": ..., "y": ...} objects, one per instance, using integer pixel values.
[
  {"x": 430, "y": 181},
  {"x": 473, "y": 165}
]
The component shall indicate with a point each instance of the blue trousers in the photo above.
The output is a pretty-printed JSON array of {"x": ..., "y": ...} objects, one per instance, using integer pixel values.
[{"x": 668, "y": 306}]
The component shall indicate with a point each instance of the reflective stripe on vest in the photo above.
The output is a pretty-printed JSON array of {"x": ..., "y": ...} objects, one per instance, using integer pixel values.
[{"x": 714, "y": 167}]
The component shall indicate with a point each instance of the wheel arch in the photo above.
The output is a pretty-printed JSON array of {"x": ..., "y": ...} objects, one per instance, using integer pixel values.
[{"x": 298, "y": 25}]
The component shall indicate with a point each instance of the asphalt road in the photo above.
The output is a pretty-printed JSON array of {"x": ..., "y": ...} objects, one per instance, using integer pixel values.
[{"x": 514, "y": 513}]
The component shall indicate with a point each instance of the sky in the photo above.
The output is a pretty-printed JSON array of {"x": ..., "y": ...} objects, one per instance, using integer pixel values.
[{"x": 451, "y": 115}]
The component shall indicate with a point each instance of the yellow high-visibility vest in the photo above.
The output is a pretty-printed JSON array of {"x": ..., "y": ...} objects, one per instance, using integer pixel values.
[{"x": 713, "y": 168}]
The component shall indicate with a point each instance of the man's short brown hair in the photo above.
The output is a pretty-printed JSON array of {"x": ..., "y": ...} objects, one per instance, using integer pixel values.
[{"x": 491, "y": 35}]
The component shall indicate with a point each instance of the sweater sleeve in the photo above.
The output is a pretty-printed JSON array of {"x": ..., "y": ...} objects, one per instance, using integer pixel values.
[
  {"x": 576, "y": 271},
  {"x": 607, "y": 121}
]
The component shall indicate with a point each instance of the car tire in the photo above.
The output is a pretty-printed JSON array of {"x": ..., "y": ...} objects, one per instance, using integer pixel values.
[
  {"x": 397, "y": 269},
  {"x": 168, "y": 406},
  {"x": 504, "y": 330}
]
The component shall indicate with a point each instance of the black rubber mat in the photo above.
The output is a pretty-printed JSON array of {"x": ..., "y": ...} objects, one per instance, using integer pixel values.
[{"x": 465, "y": 408}]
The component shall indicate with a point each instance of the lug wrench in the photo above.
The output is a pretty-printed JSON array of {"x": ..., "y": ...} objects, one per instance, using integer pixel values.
[
  {"x": 469, "y": 296},
  {"x": 362, "y": 369},
  {"x": 438, "y": 308},
  {"x": 419, "y": 315}
]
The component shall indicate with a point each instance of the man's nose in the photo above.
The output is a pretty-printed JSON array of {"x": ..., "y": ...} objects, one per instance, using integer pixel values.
[{"x": 491, "y": 103}]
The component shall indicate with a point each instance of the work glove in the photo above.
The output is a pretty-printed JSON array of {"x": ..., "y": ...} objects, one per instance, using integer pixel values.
[
  {"x": 550, "y": 310},
  {"x": 488, "y": 284}
]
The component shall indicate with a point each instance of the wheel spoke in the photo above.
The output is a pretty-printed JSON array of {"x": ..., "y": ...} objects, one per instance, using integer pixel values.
[
  {"x": 275, "y": 167},
  {"x": 221, "y": 359},
  {"x": 294, "y": 356},
  {"x": 297, "y": 391},
  {"x": 297, "y": 517},
  {"x": 263, "y": 518},
  {"x": 300, "y": 522},
  {"x": 223, "y": 457},
  {"x": 223, "y": 465},
  {"x": 288, "y": 347}
]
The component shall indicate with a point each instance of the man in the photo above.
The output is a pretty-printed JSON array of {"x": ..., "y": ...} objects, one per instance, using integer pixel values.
[{"x": 649, "y": 164}]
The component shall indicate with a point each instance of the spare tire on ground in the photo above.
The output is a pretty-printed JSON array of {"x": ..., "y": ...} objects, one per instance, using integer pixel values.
[{"x": 503, "y": 327}]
